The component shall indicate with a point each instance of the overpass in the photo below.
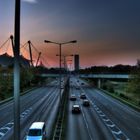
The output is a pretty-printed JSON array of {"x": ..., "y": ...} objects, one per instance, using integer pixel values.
[
  {"x": 99, "y": 77},
  {"x": 105, "y": 76}
]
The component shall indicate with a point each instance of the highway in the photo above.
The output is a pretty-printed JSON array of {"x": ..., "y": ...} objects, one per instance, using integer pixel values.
[
  {"x": 105, "y": 119},
  {"x": 38, "y": 105}
]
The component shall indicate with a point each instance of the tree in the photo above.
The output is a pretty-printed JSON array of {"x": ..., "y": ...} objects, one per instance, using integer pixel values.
[
  {"x": 26, "y": 77},
  {"x": 134, "y": 82}
]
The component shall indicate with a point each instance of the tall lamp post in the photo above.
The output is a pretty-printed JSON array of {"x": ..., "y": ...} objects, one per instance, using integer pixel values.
[
  {"x": 60, "y": 53},
  {"x": 16, "y": 49}
]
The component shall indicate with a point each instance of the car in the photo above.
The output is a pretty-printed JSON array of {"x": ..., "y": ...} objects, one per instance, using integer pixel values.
[
  {"x": 73, "y": 98},
  {"x": 37, "y": 131},
  {"x": 86, "y": 103},
  {"x": 76, "y": 109},
  {"x": 83, "y": 96}
]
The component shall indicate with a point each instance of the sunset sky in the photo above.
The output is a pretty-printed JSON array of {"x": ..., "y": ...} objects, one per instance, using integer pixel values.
[{"x": 107, "y": 31}]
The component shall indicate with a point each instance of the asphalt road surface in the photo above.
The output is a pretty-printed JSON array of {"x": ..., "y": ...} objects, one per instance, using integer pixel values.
[
  {"x": 105, "y": 119},
  {"x": 38, "y": 105}
]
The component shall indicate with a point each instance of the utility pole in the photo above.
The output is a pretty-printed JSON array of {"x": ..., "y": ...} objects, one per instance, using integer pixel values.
[
  {"x": 17, "y": 71},
  {"x": 38, "y": 58},
  {"x": 60, "y": 53}
]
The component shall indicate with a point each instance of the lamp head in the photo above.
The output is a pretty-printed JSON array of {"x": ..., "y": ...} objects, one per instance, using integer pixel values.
[
  {"x": 74, "y": 41},
  {"x": 47, "y": 41}
]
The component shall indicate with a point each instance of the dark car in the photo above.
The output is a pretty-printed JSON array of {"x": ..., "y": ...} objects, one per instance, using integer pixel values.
[
  {"x": 86, "y": 103},
  {"x": 83, "y": 96},
  {"x": 76, "y": 109},
  {"x": 73, "y": 98}
]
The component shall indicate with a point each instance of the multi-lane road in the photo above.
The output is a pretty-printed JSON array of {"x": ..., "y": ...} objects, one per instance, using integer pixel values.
[
  {"x": 105, "y": 118},
  {"x": 38, "y": 105}
]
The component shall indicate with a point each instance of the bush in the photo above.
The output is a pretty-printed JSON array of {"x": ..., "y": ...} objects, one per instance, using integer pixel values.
[
  {"x": 111, "y": 89},
  {"x": 104, "y": 87},
  {"x": 124, "y": 96}
]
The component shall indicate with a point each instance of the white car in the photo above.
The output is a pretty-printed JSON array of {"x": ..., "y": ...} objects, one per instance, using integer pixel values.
[{"x": 37, "y": 131}]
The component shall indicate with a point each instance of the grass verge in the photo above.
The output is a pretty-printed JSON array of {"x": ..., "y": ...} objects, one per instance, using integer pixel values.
[{"x": 127, "y": 102}]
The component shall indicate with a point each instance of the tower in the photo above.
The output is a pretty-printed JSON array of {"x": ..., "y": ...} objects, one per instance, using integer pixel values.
[{"x": 76, "y": 62}]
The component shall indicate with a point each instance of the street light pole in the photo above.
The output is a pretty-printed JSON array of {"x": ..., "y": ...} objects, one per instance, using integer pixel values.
[
  {"x": 60, "y": 71},
  {"x": 17, "y": 72},
  {"x": 60, "y": 46}
]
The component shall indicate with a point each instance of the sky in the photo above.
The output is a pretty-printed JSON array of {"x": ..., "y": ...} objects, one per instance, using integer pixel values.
[{"x": 107, "y": 31}]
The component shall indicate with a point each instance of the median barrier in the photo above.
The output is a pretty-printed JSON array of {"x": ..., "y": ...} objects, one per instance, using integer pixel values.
[{"x": 61, "y": 114}]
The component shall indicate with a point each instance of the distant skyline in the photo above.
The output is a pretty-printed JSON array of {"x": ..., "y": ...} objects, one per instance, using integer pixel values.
[{"x": 107, "y": 31}]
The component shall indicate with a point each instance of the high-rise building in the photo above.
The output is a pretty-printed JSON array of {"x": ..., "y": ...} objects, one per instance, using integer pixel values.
[{"x": 76, "y": 62}]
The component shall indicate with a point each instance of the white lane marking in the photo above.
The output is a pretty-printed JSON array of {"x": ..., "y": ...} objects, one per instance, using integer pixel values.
[
  {"x": 7, "y": 128},
  {"x": 99, "y": 111},
  {"x": 102, "y": 115},
  {"x": 106, "y": 120},
  {"x": 117, "y": 133},
  {"x": 86, "y": 123},
  {"x": 1, "y": 134},
  {"x": 11, "y": 123},
  {"x": 111, "y": 125}
]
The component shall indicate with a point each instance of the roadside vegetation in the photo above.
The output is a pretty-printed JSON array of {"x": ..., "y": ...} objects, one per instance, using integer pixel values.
[
  {"x": 133, "y": 87},
  {"x": 127, "y": 91},
  {"x": 122, "y": 91},
  {"x": 29, "y": 77}
]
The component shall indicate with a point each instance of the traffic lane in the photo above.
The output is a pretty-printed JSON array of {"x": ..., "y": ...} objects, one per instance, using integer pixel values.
[
  {"x": 35, "y": 115},
  {"x": 9, "y": 125},
  {"x": 51, "y": 117},
  {"x": 76, "y": 128},
  {"x": 121, "y": 117},
  {"x": 96, "y": 127},
  {"x": 46, "y": 113},
  {"x": 7, "y": 105},
  {"x": 6, "y": 112}
]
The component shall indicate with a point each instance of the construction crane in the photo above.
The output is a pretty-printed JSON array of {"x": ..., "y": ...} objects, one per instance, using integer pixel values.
[
  {"x": 38, "y": 58},
  {"x": 30, "y": 51}
]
